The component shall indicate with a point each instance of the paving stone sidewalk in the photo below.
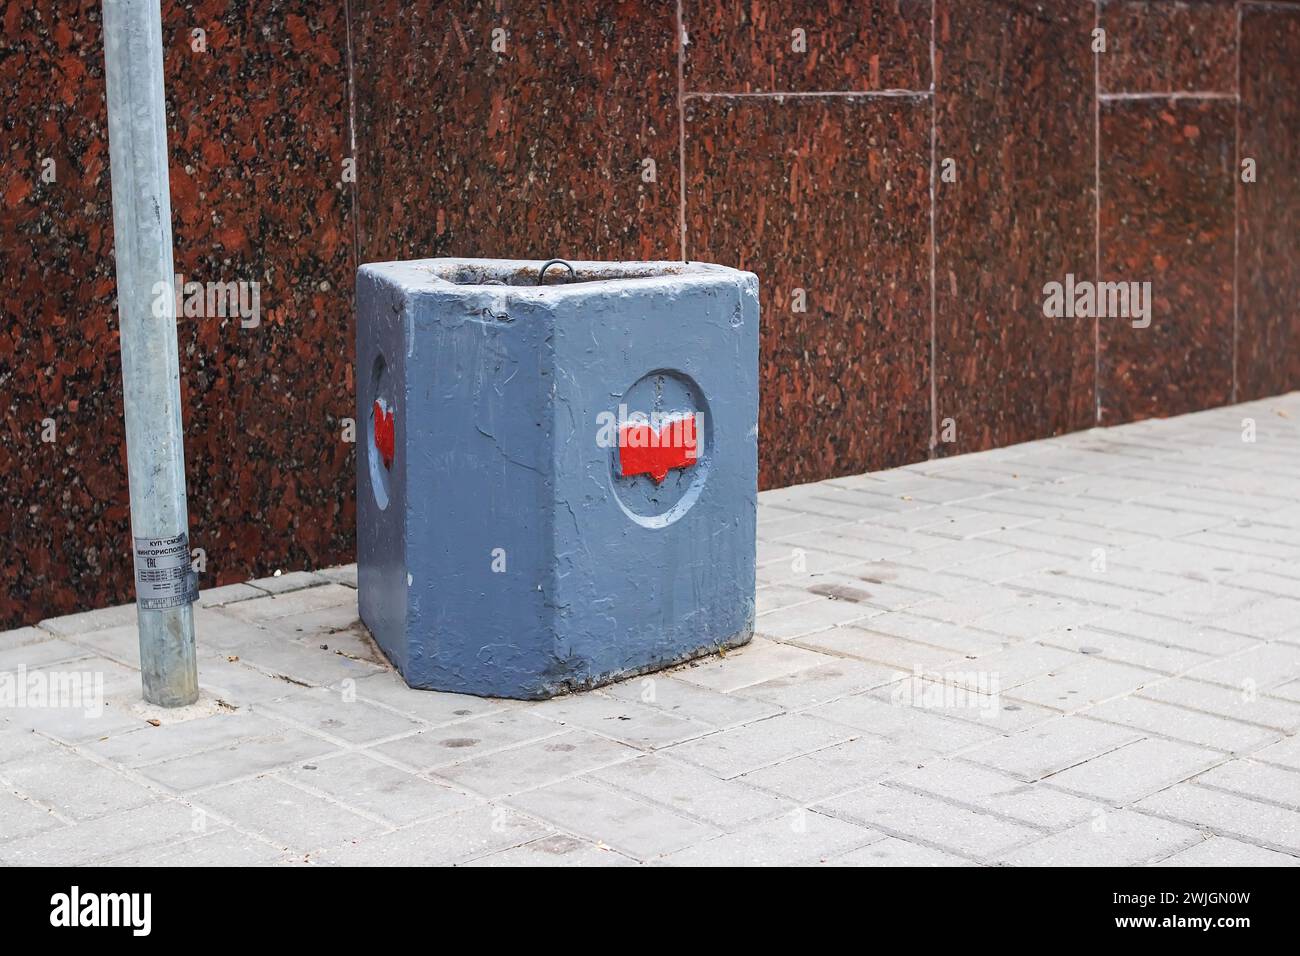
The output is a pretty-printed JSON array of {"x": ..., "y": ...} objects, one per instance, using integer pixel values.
[{"x": 1078, "y": 651}]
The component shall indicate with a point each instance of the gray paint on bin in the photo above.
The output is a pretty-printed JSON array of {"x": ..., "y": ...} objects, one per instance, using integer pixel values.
[{"x": 497, "y": 391}]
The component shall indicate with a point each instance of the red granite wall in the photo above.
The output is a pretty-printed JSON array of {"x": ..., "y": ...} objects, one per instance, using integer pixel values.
[{"x": 902, "y": 307}]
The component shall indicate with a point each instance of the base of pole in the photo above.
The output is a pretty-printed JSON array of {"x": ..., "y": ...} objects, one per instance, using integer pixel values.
[{"x": 168, "y": 662}]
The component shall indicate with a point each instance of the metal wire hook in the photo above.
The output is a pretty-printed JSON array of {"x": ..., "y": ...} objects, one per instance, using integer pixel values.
[{"x": 552, "y": 262}]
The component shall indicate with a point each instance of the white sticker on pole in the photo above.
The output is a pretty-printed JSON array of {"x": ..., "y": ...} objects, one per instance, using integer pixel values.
[{"x": 162, "y": 573}]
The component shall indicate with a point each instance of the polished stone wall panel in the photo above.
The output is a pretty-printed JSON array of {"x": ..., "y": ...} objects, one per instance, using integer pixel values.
[
  {"x": 1268, "y": 329},
  {"x": 1169, "y": 46},
  {"x": 840, "y": 46},
  {"x": 831, "y": 197},
  {"x": 517, "y": 130},
  {"x": 257, "y": 129},
  {"x": 1014, "y": 109},
  {"x": 1167, "y": 180}
]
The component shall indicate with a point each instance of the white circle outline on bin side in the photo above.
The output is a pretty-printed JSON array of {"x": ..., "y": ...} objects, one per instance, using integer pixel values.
[
  {"x": 700, "y": 469},
  {"x": 378, "y": 473}
]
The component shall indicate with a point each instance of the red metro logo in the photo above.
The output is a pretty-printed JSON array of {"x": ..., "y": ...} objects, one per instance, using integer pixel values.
[{"x": 646, "y": 450}]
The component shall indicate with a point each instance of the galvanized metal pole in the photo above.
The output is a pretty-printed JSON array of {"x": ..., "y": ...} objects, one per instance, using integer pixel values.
[{"x": 142, "y": 238}]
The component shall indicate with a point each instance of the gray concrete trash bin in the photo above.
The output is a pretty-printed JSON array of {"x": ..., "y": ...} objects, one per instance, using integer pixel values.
[{"x": 556, "y": 482}]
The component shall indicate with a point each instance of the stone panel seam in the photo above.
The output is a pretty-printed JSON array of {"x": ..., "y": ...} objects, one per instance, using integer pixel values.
[
  {"x": 1096, "y": 223},
  {"x": 681, "y": 129},
  {"x": 1236, "y": 216},
  {"x": 352, "y": 139},
  {"x": 1168, "y": 95},
  {"x": 934, "y": 125}
]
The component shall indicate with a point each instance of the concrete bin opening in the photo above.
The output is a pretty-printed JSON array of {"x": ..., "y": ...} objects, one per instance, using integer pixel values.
[
  {"x": 503, "y": 272},
  {"x": 558, "y": 483}
]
